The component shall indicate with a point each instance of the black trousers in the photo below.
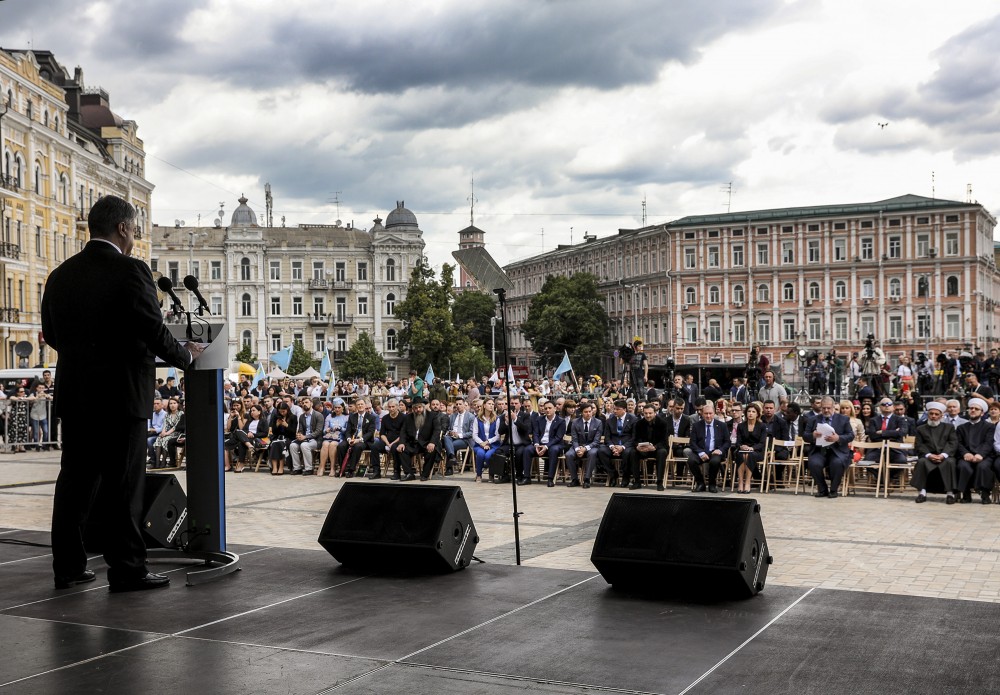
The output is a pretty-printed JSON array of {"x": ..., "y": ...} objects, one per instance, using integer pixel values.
[
  {"x": 660, "y": 454},
  {"x": 116, "y": 472},
  {"x": 714, "y": 464}
]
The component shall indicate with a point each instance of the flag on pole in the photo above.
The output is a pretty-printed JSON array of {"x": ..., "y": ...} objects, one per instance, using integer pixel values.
[
  {"x": 458, "y": 378},
  {"x": 493, "y": 377},
  {"x": 171, "y": 373},
  {"x": 325, "y": 367},
  {"x": 510, "y": 373},
  {"x": 261, "y": 374},
  {"x": 564, "y": 366},
  {"x": 282, "y": 358},
  {"x": 429, "y": 377}
]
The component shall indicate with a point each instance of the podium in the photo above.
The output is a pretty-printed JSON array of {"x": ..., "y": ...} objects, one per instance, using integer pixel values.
[{"x": 204, "y": 527}]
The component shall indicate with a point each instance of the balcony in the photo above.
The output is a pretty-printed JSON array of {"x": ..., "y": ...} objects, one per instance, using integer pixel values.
[
  {"x": 342, "y": 320},
  {"x": 9, "y": 184},
  {"x": 318, "y": 319},
  {"x": 317, "y": 284},
  {"x": 338, "y": 355},
  {"x": 340, "y": 284},
  {"x": 9, "y": 250},
  {"x": 10, "y": 315}
]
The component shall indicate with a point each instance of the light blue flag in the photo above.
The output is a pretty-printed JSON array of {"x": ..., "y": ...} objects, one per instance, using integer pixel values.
[
  {"x": 171, "y": 373},
  {"x": 429, "y": 378},
  {"x": 261, "y": 374},
  {"x": 283, "y": 358},
  {"x": 564, "y": 367},
  {"x": 325, "y": 367}
]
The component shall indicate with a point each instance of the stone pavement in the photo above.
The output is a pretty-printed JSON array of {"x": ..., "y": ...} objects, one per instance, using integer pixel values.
[{"x": 859, "y": 543}]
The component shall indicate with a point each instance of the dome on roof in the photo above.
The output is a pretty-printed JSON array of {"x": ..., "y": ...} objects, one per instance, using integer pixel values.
[
  {"x": 243, "y": 216},
  {"x": 400, "y": 217}
]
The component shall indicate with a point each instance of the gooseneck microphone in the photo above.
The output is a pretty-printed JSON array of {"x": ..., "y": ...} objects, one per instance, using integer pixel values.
[
  {"x": 191, "y": 282},
  {"x": 168, "y": 287}
]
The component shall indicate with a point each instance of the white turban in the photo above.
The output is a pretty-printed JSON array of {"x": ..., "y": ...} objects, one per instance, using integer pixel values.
[
  {"x": 980, "y": 403},
  {"x": 934, "y": 405}
]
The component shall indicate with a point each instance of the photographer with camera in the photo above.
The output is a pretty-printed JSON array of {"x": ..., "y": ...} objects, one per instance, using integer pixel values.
[
  {"x": 872, "y": 359},
  {"x": 639, "y": 369}
]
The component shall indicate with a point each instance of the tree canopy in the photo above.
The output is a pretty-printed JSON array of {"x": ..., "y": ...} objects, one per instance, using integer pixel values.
[
  {"x": 472, "y": 311},
  {"x": 301, "y": 361},
  {"x": 568, "y": 314},
  {"x": 363, "y": 360}
]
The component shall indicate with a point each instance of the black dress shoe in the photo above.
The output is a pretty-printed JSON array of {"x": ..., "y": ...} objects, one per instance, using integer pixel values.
[
  {"x": 921, "y": 498},
  {"x": 374, "y": 476},
  {"x": 966, "y": 499},
  {"x": 821, "y": 493},
  {"x": 713, "y": 488},
  {"x": 659, "y": 487},
  {"x": 394, "y": 477},
  {"x": 423, "y": 479},
  {"x": 833, "y": 495},
  {"x": 82, "y": 578},
  {"x": 985, "y": 498},
  {"x": 950, "y": 499},
  {"x": 586, "y": 484},
  {"x": 550, "y": 484},
  {"x": 524, "y": 481},
  {"x": 613, "y": 482},
  {"x": 700, "y": 487},
  {"x": 408, "y": 477},
  {"x": 574, "y": 483},
  {"x": 448, "y": 471},
  {"x": 634, "y": 486},
  {"x": 298, "y": 472},
  {"x": 150, "y": 581}
]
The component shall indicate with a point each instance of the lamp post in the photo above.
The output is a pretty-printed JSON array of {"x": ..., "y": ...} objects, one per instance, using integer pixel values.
[{"x": 493, "y": 339}]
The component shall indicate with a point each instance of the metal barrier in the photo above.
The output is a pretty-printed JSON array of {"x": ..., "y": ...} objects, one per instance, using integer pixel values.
[{"x": 26, "y": 423}]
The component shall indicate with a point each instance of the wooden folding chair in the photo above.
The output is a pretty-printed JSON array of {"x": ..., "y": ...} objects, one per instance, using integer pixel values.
[
  {"x": 791, "y": 467},
  {"x": 670, "y": 476},
  {"x": 906, "y": 467},
  {"x": 862, "y": 468}
]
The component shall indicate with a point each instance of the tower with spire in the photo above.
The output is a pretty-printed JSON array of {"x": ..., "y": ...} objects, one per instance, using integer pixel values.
[{"x": 470, "y": 237}]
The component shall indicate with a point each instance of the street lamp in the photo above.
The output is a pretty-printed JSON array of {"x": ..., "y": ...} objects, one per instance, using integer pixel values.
[{"x": 493, "y": 340}]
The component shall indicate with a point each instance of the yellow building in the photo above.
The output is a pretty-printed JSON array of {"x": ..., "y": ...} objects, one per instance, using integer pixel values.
[{"x": 61, "y": 148}]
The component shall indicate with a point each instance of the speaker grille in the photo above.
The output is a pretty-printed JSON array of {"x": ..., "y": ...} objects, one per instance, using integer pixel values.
[{"x": 361, "y": 513}]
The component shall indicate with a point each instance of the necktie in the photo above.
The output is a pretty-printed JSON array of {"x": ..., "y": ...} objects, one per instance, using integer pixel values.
[
  {"x": 586, "y": 428},
  {"x": 885, "y": 424},
  {"x": 621, "y": 425},
  {"x": 711, "y": 437}
]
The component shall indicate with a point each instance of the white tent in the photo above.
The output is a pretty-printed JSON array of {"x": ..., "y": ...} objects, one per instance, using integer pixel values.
[
  {"x": 276, "y": 374},
  {"x": 308, "y": 374}
]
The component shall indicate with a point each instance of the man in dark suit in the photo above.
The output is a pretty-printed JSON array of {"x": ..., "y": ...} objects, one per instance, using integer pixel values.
[
  {"x": 358, "y": 436},
  {"x": 619, "y": 441},
  {"x": 585, "y": 440},
  {"x": 907, "y": 423},
  {"x": 650, "y": 442},
  {"x": 885, "y": 427},
  {"x": 421, "y": 434},
  {"x": 835, "y": 454},
  {"x": 101, "y": 314},
  {"x": 678, "y": 425},
  {"x": 709, "y": 443},
  {"x": 975, "y": 453},
  {"x": 308, "y": 438},
  {"x": 692, "y": 392},
  {"x": 520, "y": 436},
  {"x": 777, "y": 429},
  {"x": 547, "y": 437}
]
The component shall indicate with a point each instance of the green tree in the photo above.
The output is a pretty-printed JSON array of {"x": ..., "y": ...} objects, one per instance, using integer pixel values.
[
  {"x": 363, "y": 360},
  {"x": 246, "y": 354},
  {"x": 568, "y": 314},
  {"x": 301, "y": 361},
  {"x": 471, "y": 313}
]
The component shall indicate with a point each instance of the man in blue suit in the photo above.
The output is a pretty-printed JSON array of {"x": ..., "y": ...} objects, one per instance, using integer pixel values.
[
  {"x": 834, "y": 455},
  {"x": 619, "y": 442},
  {"x": 547, "y": 435},
  {"x": 584, "y": 445},
  {"x": 709, "y": 443}
]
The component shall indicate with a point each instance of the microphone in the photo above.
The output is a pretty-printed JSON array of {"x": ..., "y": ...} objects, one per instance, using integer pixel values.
[
  {"x": 168, "y": 287},
  {"x": 191, "y": 283}
]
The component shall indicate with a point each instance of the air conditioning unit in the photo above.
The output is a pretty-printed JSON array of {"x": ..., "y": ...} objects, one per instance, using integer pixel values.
[
  {"x": 809, "y": 302},
  {"x": 684, "y": 307},
  {"x": 895, "y": 298},
  {"x": 839, "y": 302},
  {"x": 737, "y": 304},
  {"x": 867, "y": 302}
]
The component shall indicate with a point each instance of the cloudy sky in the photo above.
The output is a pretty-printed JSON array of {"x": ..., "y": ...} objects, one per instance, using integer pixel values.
[{"x": 568, "y": 113}]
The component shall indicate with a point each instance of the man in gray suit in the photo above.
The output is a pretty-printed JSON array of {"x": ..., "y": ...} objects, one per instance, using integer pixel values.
[
  {"x": 585, "y": 436},
  {"x": 692, "y": 392},
  {"x": 307, "y": 438},
  {"x": 458, "y": 436}
]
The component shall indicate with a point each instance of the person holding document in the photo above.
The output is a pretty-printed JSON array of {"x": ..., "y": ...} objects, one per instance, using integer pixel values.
[
  {"x": 101, "y": 314},
  {"x": 831, "y": 433}
]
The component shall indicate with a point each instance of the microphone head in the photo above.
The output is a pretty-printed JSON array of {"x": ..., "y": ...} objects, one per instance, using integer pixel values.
[
  {"x": 191, "y": 282},
  {"x": 164, "y": 284}
]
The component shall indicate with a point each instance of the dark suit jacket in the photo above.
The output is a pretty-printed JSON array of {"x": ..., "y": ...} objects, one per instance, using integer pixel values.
[
  {"x": 699, "y": 438},
  {"x": 841, "y": 425},
  {"x": 429, "y": 432},
  {"x": 654, "y": 432},
  {"x": 100, "y": 312},
  {"x": 894, "y": 431},
  {"x": 777, "y": 428},
  {"x": 556, "y": 431},
  {"x": 367, "y": 427},
  {"x": 627, "y": 436},
  {"x": 683, "y": 426},
  {"x": 591, "y": 438}
]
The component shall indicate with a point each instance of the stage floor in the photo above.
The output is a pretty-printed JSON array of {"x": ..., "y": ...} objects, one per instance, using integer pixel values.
[{"x": 293, "y": 621}]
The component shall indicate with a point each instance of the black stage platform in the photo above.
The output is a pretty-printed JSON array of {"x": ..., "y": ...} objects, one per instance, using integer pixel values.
[{"x": 292, "y": 621}]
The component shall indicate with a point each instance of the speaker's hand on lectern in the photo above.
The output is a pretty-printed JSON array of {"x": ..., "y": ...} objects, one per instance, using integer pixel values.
[{"x": 195, "y": 349}]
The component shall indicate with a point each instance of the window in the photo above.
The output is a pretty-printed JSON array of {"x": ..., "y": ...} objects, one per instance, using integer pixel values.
[
  {"x": 341, "y": 342},
  {"x": 923, "y": 284},
  {"x": 788, "y": 292},
  {"x": 814, "y": 291},
  {"x": 787, "y": 229},
  {"x": 951, "y": 286},
  {"x": 341, "y": 309},
  {"x": 788, "y": 252},
  {"x": 713, "y": 294},
  {"x": 813, "y": 228},
  {"x": 390, "y": 270},
  {"x": 216, "y": 306},
  {"x": 951, "y": 218},
  {"x": 763, "y": 293},
  {"x": 691, "y": 330},
  {"x": 247, "y": 339},
  {"x": 39, "y": 242},
  {"x": 390, "y": 340},
  {"x": 690, "y": 254},
  {"x": 788, "y": 330},
  {"x": 738, "y": 260},
  {"x": 690, "y": 295},
  {"x": 896, "y": 327},
  {"x": 275, "y": 342},
  {"x": 246, "y": 305},
  {"x": 689, "y": 235},
  {"x": 196, "y": 269},
  {"x": 275, "y": 306},
  {"x": 319, "y": 306},
  {"x": 867, "y": 224},
  {"x": 38, "y": 177},
  {"x": 923, "y": 245},
  {"x": 739, "y": 331},
  {"x": 763, "y": 253},
  {"x": 738, "y": 294},
  {"x": 923, "y": 326},
  {"x": 245, "y": 269},
  {"x": 715, "y": 331},
  {"x": 867, "y": 248},
  {"x": 275, "y": 270},
  {"x": 713, "y": 256},
  {"x": 362, "y": 271},
  {"x": 174, "y": 272},
  {"x": 895, "y": 287},
  {"x": 215, "y": 268},
  {"x": 317, "y": 270},
  {"x": 840, "y": 328},
  {"x": 895, "y": 247},
  {"x": 814, "y": 250},
  {"x": 815, "y": 328},
  {"x": 362, "y": 306},
  {"x": 867, "y": 325},
  {"x": 867, "y": 289},
  {"x": 390, "y": 304},
  {"x": 319, "y": 341},
  {"x": 296, "y": 306},
  {"x": 951, "y": 325},
  {"x": 895, "y": 222},
  {"x": 763, "y": 330},
  {"x": 923, "y": 220},
  {"x": 296, "y": 271},
  {"x": 951, "y": 243}
]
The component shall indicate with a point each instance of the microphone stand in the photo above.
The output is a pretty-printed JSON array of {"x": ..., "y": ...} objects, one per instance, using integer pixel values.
[{"x": 501, "y": 294}]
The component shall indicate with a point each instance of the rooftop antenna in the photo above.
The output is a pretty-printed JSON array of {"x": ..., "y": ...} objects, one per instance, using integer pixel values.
[
  {"x": 472, "y": 201},
  {"x": 643, "y": 209},
  {"x": 570, "y": 236},
  {"x": 728, "y": 190},
  {"x": 933, "y": 188},
  {"x": 543, "y": 239},
  {"x": 218, "y": 220},
  {"x": 336, "y": 201},
  {"x": 269, "y": 204},
  {"x": 968, "y": 192}
]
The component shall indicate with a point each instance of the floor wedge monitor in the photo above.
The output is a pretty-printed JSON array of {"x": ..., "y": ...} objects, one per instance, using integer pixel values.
[
  {"x": 703, "y": 548},
  {"x": 400, "y": 528},
  {"x": 164, "y": 515}
]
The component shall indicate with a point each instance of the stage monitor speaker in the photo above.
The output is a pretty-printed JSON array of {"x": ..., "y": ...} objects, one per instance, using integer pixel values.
[
  {"x": 400, "y": 528},
  {"x": 682, "y": 547},
  {"x": 164, "y": 515}
]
